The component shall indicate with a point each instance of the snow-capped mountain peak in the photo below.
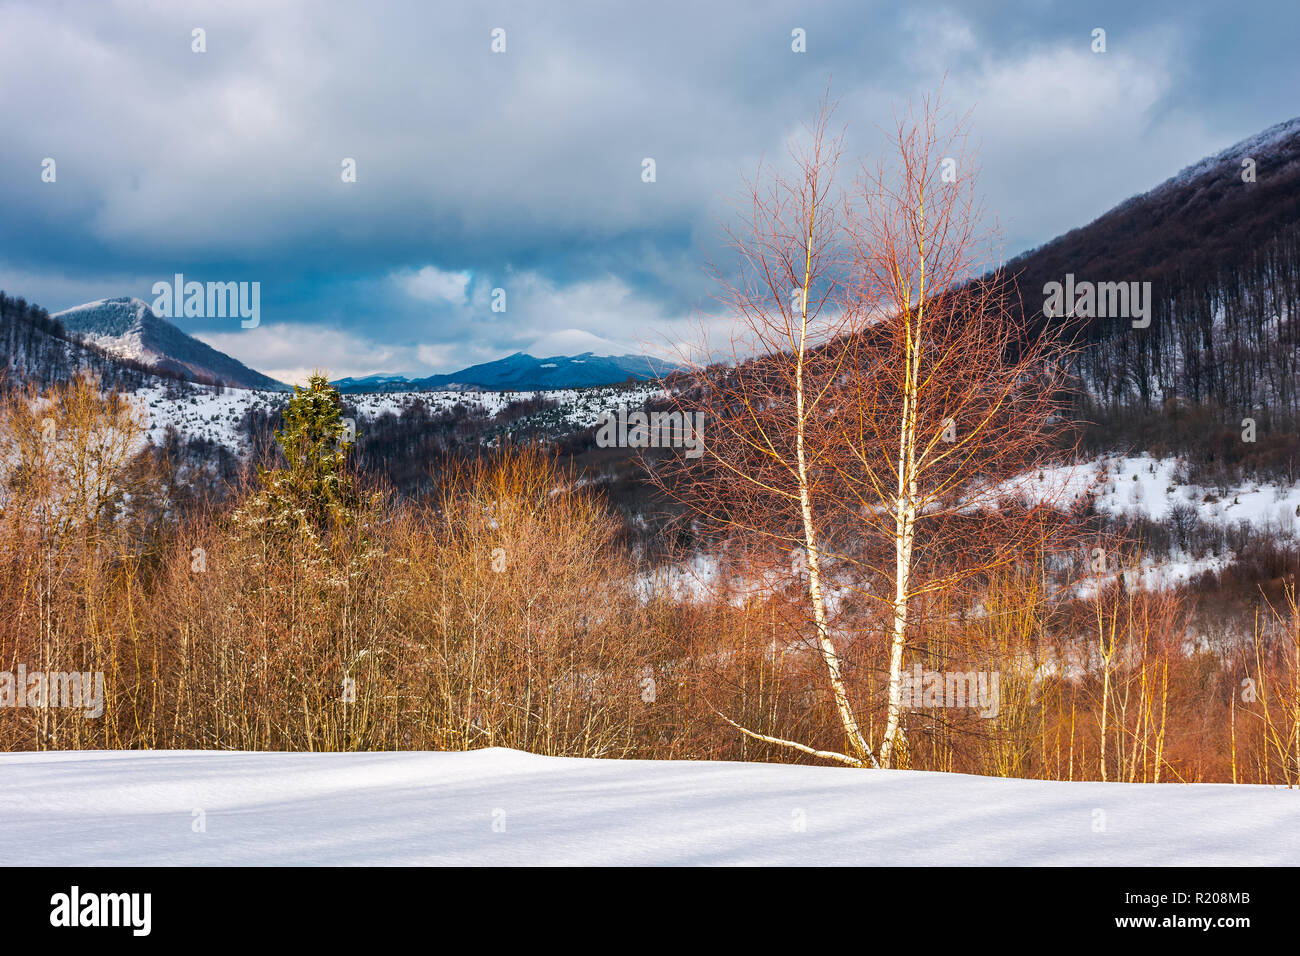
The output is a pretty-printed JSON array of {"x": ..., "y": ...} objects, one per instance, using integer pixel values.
[
  {"x": 128, "y": 328},
  {"x": 115, "y": 325}
]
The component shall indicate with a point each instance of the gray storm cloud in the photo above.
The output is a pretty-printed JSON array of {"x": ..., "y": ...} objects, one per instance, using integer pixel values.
[{"x": 476, "y": 170}]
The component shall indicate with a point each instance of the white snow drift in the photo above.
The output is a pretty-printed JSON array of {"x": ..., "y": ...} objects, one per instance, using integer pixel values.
[{"x": 506, "y": 807}]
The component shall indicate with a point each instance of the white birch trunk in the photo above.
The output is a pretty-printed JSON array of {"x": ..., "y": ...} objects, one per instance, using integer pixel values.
[
  {"x": 905, "y": 509},
  {"x": 830, "y": 656}
]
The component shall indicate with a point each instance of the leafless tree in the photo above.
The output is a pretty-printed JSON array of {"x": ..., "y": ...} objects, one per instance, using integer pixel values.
[{"x": 885, "y": 409}]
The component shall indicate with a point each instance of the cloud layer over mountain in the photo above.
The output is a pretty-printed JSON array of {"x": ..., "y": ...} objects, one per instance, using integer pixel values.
[{"x": 521, "y": 170}]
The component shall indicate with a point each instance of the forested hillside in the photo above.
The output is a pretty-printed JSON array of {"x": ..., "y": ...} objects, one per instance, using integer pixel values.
[{"x": 1220, "y": 245}]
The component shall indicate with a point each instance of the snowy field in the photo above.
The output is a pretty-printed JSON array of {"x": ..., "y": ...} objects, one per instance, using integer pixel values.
[{"x": 505, "y": 807}]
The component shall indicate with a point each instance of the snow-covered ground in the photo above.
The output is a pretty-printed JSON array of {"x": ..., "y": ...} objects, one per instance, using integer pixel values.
[
  {"x": 216, "y": 417},
  {"x": 506, "y": 807},
  {"x": 203, "y": 413},
  {"x": 1150, "y": 487}
]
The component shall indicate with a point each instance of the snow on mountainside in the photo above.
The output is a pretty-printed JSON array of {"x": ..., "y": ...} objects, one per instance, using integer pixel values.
[
  {"x": 505, "y": 807},
  {"x": 1277, "y": 139},
  {"x": 1197, "y": 219},
  {"x": 129, "y": 328},
  {"x": 203, "y": 413},
  {"x": 1152, "y": 488},
  {"x": 577, "y": 407}
]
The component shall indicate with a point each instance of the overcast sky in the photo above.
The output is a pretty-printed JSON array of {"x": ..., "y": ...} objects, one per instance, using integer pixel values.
[{"x": 522, "y": 170}]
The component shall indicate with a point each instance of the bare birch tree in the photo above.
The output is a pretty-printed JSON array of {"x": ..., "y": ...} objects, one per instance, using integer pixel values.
[
  {"x": 882, "y": 407},
  {"x": 957, "y": 392}
]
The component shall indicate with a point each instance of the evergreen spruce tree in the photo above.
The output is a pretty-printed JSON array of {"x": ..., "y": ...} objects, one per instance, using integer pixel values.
[{"x": 314, "y": 490}]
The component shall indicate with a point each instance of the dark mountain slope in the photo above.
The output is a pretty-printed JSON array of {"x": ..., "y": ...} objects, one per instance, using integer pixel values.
[{"x": 1223, "y": 260}]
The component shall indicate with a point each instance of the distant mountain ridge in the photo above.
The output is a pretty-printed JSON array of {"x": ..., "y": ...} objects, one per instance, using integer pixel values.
[
  {"x": 521, "y": 372},
  {"x": 129, "y": 328}
]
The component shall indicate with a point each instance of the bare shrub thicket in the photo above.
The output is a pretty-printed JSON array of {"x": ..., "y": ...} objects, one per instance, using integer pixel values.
[{"x": 500, "y": 615}]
